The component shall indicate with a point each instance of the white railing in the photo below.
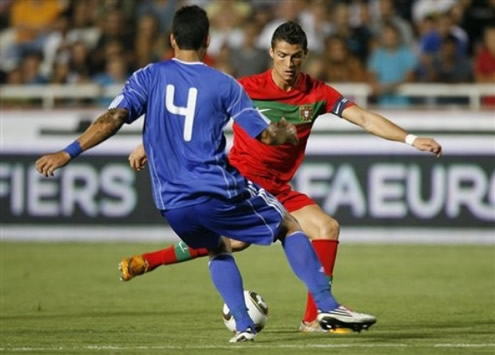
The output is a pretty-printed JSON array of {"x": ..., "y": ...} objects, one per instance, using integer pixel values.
[{"x": 359, "y": 92}]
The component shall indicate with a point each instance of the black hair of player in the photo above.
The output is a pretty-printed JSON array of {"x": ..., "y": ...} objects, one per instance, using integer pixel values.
[
  {"x": 292, "y": 33},
  {"x": 190, "y": 27}
]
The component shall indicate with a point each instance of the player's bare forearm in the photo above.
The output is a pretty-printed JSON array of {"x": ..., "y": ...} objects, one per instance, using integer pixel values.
[
  {"x": 374, "y": 123},
  {"x": 104, "y": 127},
  {"x": 380, "y": 126},
  {"x": 279, "y": 133}
]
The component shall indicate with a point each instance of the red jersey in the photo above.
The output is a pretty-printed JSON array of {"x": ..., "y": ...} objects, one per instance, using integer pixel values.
[{"x": 300, "y": 106}]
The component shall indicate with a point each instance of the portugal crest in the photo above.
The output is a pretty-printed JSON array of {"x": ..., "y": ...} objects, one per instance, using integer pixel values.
[{"x": 305, "y": 113}]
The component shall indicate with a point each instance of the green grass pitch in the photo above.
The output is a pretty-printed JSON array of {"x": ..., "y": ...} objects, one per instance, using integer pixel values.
[{"x": 67, "y": 299}]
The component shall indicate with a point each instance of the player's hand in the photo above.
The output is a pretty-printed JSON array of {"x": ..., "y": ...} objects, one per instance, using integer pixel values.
[
  {"x": 428, "y": 145},
  {"x": 137, "y": 158},
  {"x": 280, "y": 133},
  {"x": 289, "y": 130},
  {"x": 47, "y": 164}
]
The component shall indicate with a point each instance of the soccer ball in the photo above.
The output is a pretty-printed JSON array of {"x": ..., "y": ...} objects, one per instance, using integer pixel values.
[{"x": 257, "y": 310}]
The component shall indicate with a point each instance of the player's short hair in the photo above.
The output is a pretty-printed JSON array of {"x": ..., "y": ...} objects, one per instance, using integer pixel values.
[
  {"x": 190, "y": 27},
  {"x": 292, "y": 33}
]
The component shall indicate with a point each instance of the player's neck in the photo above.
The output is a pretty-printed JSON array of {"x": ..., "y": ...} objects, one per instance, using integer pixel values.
[
  {"x": 283, "y": 84},
  {"x": 186, "y": 55}
]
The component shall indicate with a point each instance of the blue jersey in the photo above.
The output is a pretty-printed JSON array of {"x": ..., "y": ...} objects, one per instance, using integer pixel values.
[{"x": 186, "y": 107}]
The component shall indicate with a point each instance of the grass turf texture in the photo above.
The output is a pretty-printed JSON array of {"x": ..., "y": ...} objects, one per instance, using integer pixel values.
[{"x": 66, "y": 298}]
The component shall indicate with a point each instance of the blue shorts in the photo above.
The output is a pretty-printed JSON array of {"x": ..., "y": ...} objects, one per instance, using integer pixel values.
[{"x": 254, "y": 217}]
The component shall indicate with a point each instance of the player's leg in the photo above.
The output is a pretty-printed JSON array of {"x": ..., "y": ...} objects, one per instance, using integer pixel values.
[
  {"x": 323, "y": 230},
  {"x": 139, "y": 264},
  {"x": 179, "y": 252},
  {"x": 261, "y": 219},
  {"x": 190, "y": 225},
  {"x": 305, "y": 264}
]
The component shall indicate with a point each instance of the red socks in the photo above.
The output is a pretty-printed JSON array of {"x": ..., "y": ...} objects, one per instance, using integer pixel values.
[
  {"x": 174, "y": 254},
  {"x": 326, "y": 249}
]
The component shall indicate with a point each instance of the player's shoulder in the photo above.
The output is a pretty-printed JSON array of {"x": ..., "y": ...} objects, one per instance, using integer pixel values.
[
  {"x": 312, "y": 85},
  {"x": 255, "y": 81}
]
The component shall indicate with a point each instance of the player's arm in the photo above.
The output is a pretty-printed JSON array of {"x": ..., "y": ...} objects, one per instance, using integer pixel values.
[
  {"x": 103, "y": 128},
  {"x": 256, "y": 125},
  {"x": 378, "y": 125}
]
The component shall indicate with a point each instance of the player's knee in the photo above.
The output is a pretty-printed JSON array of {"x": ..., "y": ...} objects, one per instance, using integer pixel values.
[
  {"x": 223, "y": 247},
  {"x": 238, "y": 245},
  {"x": 330, "y": 229},
  {"x": 289, "y": 226}
]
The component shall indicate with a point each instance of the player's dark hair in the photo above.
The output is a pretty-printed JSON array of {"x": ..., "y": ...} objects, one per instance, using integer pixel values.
[
  {"x": 190, "y": 27},
  {"x": 292, "y": 33}
]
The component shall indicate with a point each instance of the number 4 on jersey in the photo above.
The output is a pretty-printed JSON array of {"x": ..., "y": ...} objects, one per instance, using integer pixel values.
[{"x": 187, "y": 111}]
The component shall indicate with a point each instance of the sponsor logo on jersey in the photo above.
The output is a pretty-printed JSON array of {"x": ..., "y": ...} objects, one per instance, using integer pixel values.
[{"x": 305, "y": 113}]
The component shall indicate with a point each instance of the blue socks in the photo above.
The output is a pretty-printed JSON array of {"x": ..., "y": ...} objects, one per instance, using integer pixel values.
[
  {"x": 228, "y": 281},
  {"x": 305, "y": 264}
]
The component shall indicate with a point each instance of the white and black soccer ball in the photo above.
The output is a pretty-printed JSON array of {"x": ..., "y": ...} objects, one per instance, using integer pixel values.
[{"x": 257, "y": 310}]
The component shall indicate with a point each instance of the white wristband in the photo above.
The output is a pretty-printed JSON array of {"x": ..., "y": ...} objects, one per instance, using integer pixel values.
[{"x": 410, "y": 138}]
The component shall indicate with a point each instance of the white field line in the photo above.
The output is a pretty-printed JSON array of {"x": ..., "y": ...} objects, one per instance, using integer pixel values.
[
  {"x": 244, "y": 346},
  {"x": 373, "y": 235}
]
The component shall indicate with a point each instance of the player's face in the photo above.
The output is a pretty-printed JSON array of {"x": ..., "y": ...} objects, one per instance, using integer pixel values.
[{"x": 287, "y": 61}]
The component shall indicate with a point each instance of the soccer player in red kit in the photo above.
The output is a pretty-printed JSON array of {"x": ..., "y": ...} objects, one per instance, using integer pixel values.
[{"x": 284, "y": 91}]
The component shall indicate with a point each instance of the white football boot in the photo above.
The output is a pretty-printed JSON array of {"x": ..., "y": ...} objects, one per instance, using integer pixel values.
[
  {"x": 246, "y": 335},
  {"x": 342, "y": 317}
]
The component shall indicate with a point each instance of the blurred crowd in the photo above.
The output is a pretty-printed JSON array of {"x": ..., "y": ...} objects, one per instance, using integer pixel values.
[{"x": 381, "y": 42}]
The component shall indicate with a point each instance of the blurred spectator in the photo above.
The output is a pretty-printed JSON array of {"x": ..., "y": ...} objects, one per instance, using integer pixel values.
[
  {"x": 450, "y": 66},
  {"x": 424, "y": 8},
  {"x": 83, "y": 27},
  {"x": 56, "y": 42},
  {"x": 340, "y": 65},
  {"x": 314, "y": 65},
  {"x": 479, "y": 15},
  {"x": 312, "y": 16},
  {"x": 32, "y": 18},
  {"x": 357, "y": 39},
  {"x": 484, "y": 64},
  {"x": 79, "y": 63},
  {"x": 148, "y": 43},
  {"x": 223, "y": 60},
  {"x": 60, "y": 73},
  {"x": 285, "y": 10},
  {"x": 387, "y": 13},
  {"x": 116, "y": 72},
  {"x": 14, "y": 77},
  {"x": 249, "y": 59},
  {"x": 162, "y": 9},
  {"x": 114, "y": 29},
  {"x": 447, "y": 27},
  {"x": 390, "y": 65},
  {"x": 226, "y": 17},
  {"x": 30, "y": 68},
  {"x": 317, "y": 23},
  {"x": 4, "y": 13}
]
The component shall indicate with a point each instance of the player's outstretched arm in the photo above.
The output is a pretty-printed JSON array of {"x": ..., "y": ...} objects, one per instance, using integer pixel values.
[
  {"x": 279, "y": 133},
  {"x": 380, "y": 126},
  {"x": 104, "y": 127},
  {"x": 137, "y": 158}
]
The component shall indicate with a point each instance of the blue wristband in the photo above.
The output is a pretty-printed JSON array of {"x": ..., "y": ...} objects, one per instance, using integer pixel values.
[{"x": 73, "y": 149}]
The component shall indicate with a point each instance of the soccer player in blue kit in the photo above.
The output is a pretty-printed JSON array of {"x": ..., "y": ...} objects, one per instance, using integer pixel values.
[{"x": 186, "y": 105}]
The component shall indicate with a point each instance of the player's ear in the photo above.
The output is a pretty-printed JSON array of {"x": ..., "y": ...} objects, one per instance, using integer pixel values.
[
  {"x": 207, "y": 42},
  {"x": 173, "y": 42},
  {"x": 271, "y": 52}
]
